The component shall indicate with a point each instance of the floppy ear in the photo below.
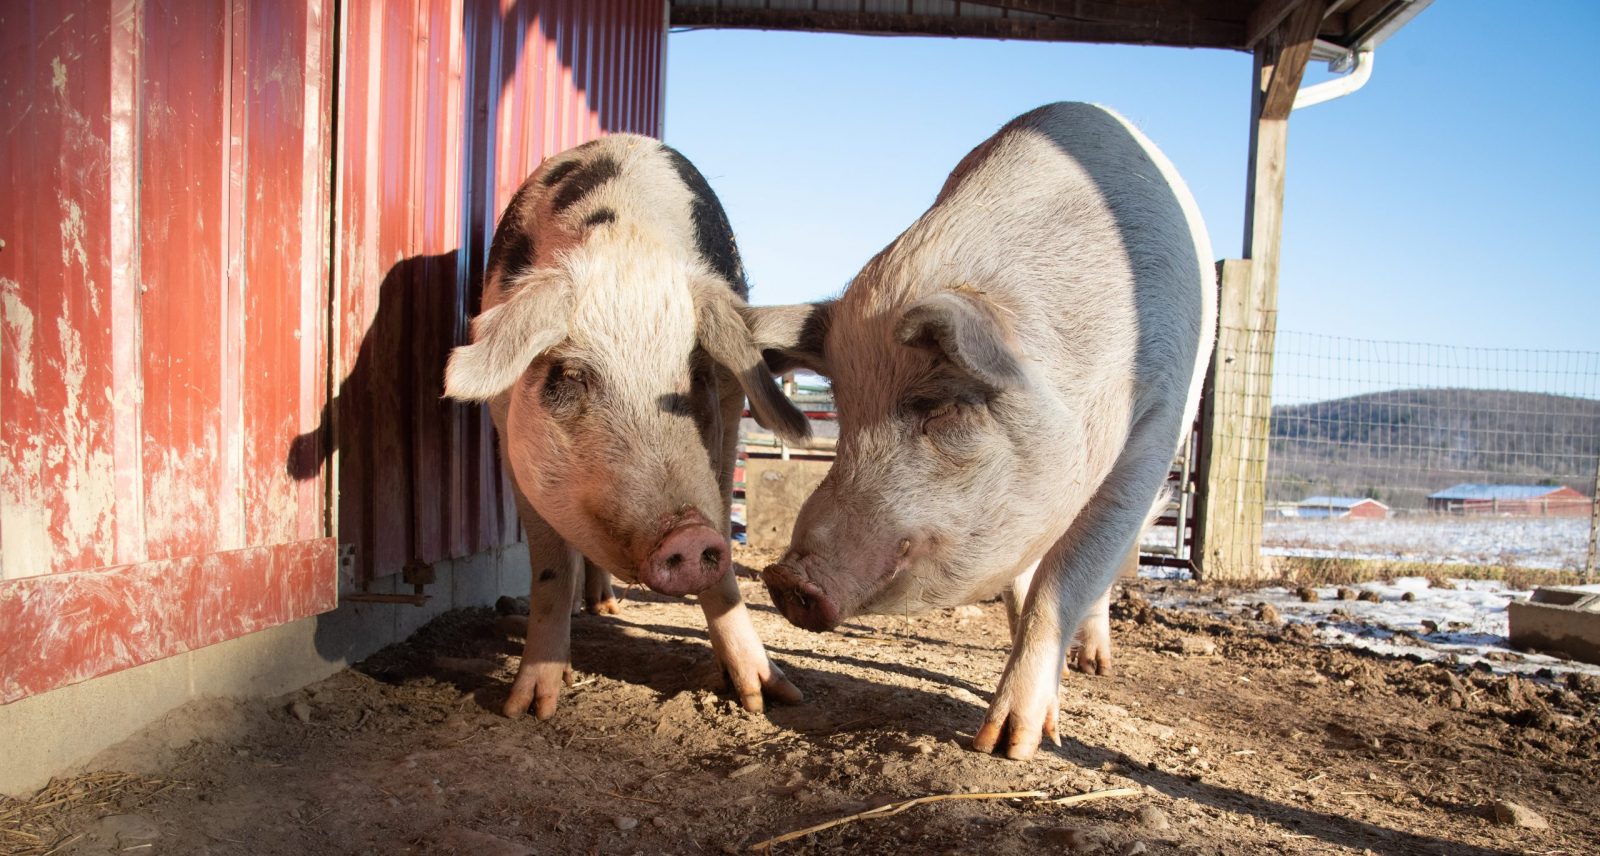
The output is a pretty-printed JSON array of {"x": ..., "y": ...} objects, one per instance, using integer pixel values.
[
  {"x": 506, "y": 338},
  {"x": 790, "y": 337},
  {"x": 723, "y": 334},
  {"x": 967, "y": 332}
]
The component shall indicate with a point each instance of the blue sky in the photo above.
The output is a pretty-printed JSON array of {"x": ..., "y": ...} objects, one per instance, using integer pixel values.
[{"x": 1454, "y": 200}]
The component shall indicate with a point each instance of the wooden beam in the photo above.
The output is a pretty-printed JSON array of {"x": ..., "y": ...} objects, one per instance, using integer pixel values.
[
  {"x": 1177, "y": 31},
  {"x": 1227, "y": 543},
  {"x": 1265, "y": 18},
  {"x": 1290, "y": 52}
]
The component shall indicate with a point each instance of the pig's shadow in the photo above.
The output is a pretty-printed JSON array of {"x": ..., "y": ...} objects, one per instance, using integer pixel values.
[
  {"x": 402, "y": 446},
  {"x": 837, "y": 703}
]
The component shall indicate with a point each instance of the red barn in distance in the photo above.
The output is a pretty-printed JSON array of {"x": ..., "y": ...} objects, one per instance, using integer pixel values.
[
  {"x": 1341, "y": 507},
  {"x": 1523, "y": 500}
]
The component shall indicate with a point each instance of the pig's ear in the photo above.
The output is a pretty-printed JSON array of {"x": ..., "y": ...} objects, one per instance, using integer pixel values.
[
  {"x": 506, "y": 338},
  {"x": 725, "y": 337},
  {"x": 967, "y": 332},
  {"x": 791, "y": 337}
]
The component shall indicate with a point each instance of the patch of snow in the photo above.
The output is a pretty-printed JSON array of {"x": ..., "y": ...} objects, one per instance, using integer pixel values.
[{"x": 1466, "y": 622}]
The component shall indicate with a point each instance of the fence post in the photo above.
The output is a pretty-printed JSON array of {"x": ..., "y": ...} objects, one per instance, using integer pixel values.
[
  {"x": 1236, "y": 410},
  {"x": 1594, "y": 524}
]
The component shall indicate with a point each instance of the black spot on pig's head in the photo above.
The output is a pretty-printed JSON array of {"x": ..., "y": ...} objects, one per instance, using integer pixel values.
[
  {"x": 583, "y": 180},
  {"x": 713, "y": 232},
  {"x": 512, "y": 250},
  {"x": 599, "y": 216}
]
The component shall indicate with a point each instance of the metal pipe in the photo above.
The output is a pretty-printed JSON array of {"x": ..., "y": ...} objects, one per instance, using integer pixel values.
[{"x": 1360, "y": 73}]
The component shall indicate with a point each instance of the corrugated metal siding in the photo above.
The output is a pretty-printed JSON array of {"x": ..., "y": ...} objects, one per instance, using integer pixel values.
[
  {"x": 164, "y": 284},
  {"x": 447, "y": 106}
]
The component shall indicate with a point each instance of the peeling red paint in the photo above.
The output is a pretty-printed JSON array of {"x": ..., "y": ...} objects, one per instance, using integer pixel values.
[
  {"x": 66, "y": 628},
  {"x": 166, "y": 244}
]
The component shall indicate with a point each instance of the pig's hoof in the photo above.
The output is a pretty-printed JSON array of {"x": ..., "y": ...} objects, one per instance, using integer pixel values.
[
  {"x": 538, "y": 685},
  {"x": 607, "y": 606},
  {"x": 1089, "y": 659},
  {"x": 757, "y": 685},
  {"x": 1015, "y": 730}
]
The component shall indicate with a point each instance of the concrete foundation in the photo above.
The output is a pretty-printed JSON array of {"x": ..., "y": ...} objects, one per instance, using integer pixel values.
[{"x": 57, "y": 732}]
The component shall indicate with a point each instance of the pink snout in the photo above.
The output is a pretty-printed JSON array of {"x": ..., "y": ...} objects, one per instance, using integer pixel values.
[
  {"x": 689, "y": 558},
  {"x": 800, "y": 600}
]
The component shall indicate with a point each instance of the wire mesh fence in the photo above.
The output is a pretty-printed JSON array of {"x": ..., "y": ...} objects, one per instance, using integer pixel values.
[{"x": 1432, "y": 453}]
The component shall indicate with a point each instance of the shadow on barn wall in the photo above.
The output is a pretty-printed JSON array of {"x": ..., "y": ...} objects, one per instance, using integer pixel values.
[
  {"x": 419, "y": 477},
  {"x": 392, "y": 396}
]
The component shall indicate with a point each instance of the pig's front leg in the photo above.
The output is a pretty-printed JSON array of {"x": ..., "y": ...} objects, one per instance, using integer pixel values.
[
  {"x": 1078, "y": 569},
  {"x": 733, "y": 638},
  {"x": 547, "y": 648}
]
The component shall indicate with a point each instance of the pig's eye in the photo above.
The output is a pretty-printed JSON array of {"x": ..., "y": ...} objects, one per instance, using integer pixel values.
[
  {"x": 939, "y": 415},
  {"x": 565, "y": 385}
]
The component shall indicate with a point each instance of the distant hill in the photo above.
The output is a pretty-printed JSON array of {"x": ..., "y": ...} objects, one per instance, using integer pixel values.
[{"x": 1401, "y": 445}]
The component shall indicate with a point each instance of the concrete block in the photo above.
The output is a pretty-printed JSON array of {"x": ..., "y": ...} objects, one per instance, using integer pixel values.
[
  {"x": 1558, "y": 620},
  {"x": 774, "y": 490}
]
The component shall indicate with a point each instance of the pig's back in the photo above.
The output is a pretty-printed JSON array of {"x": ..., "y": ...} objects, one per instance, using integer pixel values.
[{"x": 1084, "y": 231}]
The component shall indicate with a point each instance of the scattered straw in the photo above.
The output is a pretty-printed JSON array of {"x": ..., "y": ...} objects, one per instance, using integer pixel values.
[
  {"x": 888, "y": 811},
  {"x": 43, "y": 824},
  {"x": 1108, "y": 793},
  {"x": 895, "y": 808}
]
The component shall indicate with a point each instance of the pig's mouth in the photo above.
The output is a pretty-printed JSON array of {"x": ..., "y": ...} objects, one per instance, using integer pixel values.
[{"x": 800, "y": 600}]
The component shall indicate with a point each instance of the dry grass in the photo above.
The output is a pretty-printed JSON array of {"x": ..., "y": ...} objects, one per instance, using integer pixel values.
[
  {"x": 1294, "y": 570},
  {"x": 40, "y": 825}
]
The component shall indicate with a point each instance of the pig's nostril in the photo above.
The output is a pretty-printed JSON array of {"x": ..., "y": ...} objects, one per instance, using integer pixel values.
[
  {"x": 803, "y": 602},
  {"x": 674, "y": 561},
  {"x": 711, "y": 556}
]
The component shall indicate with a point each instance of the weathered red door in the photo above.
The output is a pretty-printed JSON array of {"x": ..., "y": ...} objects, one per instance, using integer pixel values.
[{"x": 164, "y": 285}]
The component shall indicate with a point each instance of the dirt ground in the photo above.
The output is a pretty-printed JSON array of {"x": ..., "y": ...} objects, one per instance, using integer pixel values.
[{"x": 1236, "y": 735}]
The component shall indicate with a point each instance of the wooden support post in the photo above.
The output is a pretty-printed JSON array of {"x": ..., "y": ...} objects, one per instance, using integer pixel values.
[{"x": 1237, "y": 408}]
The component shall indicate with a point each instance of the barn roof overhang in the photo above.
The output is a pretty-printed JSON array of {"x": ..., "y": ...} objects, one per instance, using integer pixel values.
[{"x": 1346, "y": 27}]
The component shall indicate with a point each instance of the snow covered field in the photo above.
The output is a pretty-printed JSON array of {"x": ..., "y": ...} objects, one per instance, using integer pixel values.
[{"x": 1527, "y": 542}]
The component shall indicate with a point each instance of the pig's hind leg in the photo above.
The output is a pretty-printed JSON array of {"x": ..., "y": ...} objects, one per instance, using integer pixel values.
[
  {"x": 598, "y": 596},
  {"x": 1077, "y": 569},
  {"x": 547, "y": 648},
  {"x": 1091, "y": 645}
]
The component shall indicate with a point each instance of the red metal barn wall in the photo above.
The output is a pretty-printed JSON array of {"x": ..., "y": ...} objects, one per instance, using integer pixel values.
[{"x": 216, "y": 215}]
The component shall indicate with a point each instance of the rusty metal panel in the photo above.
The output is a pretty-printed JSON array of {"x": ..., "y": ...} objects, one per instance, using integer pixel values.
[
  {"x": 446, "y": 106},
  {"x": 164, "y": 296}
]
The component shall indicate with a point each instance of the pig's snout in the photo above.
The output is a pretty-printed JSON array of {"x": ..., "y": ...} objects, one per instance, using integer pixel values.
[
  {"x": 689, "y": 558},
  {"x": 799, "y": 599}
]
